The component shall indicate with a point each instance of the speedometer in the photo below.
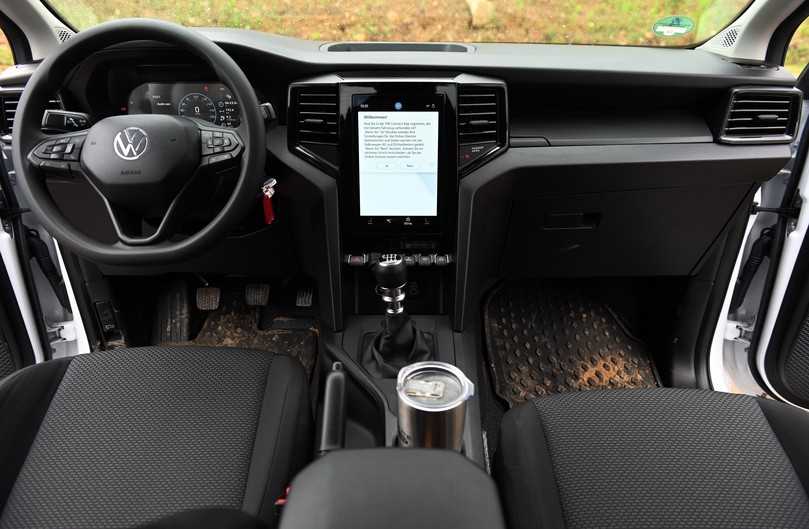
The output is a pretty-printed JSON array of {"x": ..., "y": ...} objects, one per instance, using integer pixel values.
[{"x": 197, "y": 106}]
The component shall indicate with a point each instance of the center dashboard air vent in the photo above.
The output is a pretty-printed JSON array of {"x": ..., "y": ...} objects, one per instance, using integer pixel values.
[
  {"x": 761, "y": 115},
  {"x": 481, "y": 123},
  {"x": 9, "y": 99},
  {"x": 313, "y": 123}
]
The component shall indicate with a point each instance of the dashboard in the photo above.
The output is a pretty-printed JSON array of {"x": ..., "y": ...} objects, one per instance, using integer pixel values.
[
  {"x": 211, "y": 102},
  {"x": 488, "y": 158}
]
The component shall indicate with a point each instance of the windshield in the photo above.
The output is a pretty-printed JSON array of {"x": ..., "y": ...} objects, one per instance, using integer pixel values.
[{"x": 622, "y": 22}]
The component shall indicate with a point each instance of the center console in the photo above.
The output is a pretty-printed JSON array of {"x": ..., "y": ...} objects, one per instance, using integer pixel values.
[{"x": 397, "y": 147}]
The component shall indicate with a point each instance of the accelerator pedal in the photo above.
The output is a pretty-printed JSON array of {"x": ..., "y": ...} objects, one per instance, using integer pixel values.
[
  {"x": 257, "y": 294},
  {"x": 304, "y": 297}
]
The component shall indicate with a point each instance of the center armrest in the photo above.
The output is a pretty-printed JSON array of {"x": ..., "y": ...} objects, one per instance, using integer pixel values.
[{"x": 392, "y": 488}]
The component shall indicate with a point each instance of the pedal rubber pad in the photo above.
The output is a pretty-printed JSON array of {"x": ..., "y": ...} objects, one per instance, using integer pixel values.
[
  {"x": 257, "y": 294},
  {"x": 304, "y": 297},
  {"x": 208, "y": 298}
]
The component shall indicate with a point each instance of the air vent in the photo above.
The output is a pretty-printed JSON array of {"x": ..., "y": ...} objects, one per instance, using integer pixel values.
[
  {"x": 313, "y": 119},
  {"x": 9, "y": 99},
  {"x": 481, "y": 122},
  {"x": 761, "y": 115}
]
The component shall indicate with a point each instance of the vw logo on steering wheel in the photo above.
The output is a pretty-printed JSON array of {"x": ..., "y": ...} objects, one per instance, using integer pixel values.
[{"x": 130, "y": 143}]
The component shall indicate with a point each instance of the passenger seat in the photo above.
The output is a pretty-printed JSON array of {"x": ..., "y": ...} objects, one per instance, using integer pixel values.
[{"x": 673, "y": 458}]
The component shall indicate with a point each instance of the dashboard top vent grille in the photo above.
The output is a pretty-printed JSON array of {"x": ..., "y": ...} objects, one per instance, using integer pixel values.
[
  {"x": 9, "y": 99},
  {"x": 481, "y": 122},
  {"x": 756, "y": 115},
  {"x": 314, "y": 116}
]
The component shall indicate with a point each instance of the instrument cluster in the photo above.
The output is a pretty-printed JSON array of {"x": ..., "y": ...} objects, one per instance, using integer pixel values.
[{"x": 212, "y": 102}]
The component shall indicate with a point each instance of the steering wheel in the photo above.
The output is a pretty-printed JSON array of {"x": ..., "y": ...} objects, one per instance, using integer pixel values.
[{"x": 141, "y": 165}]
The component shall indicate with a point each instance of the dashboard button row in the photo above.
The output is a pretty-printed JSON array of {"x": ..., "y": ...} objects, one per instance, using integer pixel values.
[{"x": 419, "y": 259}]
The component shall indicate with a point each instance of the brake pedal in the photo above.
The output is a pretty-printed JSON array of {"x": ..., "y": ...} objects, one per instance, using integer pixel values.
[
  {"x": 257, "y": 294},
  {"x": 208, "y": 298}
]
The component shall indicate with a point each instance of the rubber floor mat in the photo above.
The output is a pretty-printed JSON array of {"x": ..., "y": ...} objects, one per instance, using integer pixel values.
[
  {"x": 229, "y": 327},
  {"x": 545, "y": 338}
]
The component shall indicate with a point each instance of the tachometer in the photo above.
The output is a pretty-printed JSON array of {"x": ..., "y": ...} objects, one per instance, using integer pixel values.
[{"x": 197, "y": 106}]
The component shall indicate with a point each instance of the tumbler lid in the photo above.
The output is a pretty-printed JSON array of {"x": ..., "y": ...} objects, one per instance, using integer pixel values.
[{"x": 433, "y": 386}]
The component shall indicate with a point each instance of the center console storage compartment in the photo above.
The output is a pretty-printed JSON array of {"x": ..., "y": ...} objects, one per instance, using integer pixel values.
[{"x": 395, "y": 489}]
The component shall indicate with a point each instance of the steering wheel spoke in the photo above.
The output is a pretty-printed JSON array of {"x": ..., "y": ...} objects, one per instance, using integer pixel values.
[
  {"x": 59, "y": 154},
  {"x": 125, "y": 223}
]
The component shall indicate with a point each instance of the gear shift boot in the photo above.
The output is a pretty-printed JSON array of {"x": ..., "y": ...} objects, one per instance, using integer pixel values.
[{"x": 400, "y": 342}]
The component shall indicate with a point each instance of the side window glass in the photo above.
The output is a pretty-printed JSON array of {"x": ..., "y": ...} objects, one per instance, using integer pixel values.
[
  {"x": 6, "y": 58},
  {"x": 798, "y": 51}
]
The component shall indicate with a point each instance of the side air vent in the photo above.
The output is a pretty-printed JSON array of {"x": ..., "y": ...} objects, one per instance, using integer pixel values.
[
  {"x": 481, "y": 123},
  {"x": 9, "y": 99},
  {"x": 313, "y": 122},
  {"x": 761, "y": 115}
]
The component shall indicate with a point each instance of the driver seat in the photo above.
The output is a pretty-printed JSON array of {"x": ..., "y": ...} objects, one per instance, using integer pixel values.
[{"x": 123, "y": 438}]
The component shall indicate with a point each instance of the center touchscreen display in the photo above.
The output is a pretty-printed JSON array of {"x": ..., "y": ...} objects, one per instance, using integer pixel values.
[{"x": 398, "y": 163}]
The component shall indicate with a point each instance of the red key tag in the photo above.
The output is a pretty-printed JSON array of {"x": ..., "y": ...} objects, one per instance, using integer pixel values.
[{"x": 267, "y": 192}]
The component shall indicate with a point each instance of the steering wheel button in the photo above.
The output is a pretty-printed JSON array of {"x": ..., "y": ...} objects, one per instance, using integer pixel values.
[
  {"x": 57, "y": 167},
  {"x": 219, "y": 158}
]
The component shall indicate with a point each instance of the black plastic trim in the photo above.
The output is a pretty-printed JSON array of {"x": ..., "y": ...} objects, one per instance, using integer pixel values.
[
  {"x": 20, "y": 233},
  {"x": 782, "y": 36},
  {"x": 17, "y": 40},
  {"x": 594, "y": 169},
  {"x": 13, "y": 326}
]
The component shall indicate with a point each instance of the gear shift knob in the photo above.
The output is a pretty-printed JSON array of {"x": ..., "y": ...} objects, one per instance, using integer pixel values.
[
  {"x": 391, "y": 278},
  {"x": 390, "y": 271}
]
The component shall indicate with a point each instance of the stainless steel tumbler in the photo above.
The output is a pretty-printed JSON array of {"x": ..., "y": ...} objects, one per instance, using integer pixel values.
[{"x": 432, "y": 405}]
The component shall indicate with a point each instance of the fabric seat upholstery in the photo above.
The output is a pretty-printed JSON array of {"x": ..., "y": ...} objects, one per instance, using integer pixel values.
[
  {"x": 673, "y": 458},
  {"x": 125, "y": 437}
]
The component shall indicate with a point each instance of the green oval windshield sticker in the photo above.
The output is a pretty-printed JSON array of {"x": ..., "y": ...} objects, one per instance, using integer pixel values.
[{"x": 673, "y": 26}]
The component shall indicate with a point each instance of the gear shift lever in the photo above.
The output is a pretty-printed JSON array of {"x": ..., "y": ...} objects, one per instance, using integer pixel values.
[
  {"x": 391, "y": 280},
  {"x": 399, "y": 343}
]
